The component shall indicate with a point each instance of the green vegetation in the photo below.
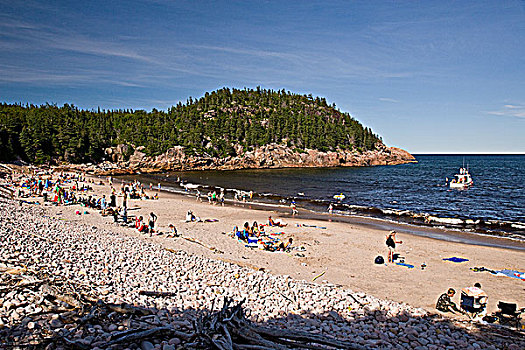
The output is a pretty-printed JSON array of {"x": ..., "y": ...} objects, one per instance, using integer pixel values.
[{"x": 212, "y": 125}]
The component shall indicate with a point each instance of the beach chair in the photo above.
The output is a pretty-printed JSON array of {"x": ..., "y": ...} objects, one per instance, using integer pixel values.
[
  {"x": 509, "y": 314},
  {"x": 473, "y": 302}
]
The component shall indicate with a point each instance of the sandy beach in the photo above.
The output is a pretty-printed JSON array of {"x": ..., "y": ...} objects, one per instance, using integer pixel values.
[
  {"x": 343, "y": 253},
  {"x": 73, "y": 277}
]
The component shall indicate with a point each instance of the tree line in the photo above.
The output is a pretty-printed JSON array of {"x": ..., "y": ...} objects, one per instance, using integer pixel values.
[{"x": 213, "y": 125}]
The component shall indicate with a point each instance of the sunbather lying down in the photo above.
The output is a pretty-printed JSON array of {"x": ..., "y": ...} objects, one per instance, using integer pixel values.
[
  {"x": 277, "y": 246},
  {"x": 276, "y": 222}
]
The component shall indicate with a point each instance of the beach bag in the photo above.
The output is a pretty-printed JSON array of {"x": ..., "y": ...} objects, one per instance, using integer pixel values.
[
  {"x": 379, "y": 260},
  {"x": 390, "y": 242}
]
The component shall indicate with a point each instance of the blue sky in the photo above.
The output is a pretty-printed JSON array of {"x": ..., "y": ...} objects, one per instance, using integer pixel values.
[{"x": 428, "y": 76}]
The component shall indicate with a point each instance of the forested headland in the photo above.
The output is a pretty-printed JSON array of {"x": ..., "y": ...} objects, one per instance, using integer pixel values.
[{"x": 211, "y": 126}]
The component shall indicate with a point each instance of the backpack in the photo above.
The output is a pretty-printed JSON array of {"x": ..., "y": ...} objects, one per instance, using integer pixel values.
[{"x": 379, "y": 260}]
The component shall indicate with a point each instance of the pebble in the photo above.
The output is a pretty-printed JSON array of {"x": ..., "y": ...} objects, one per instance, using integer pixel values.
[
  {"x": 131, "y": 264},
  {"x": 146, "y": 345}
]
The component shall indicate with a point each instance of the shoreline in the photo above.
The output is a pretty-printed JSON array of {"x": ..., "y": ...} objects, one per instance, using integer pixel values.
[
  {"x": 438, "y": 233},
  {"x": 461, "y": 229},
  {"x": 434, "y": 232}
]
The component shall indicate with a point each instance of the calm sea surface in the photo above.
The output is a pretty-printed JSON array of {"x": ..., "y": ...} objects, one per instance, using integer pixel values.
[{"x": 496, "y": 202}]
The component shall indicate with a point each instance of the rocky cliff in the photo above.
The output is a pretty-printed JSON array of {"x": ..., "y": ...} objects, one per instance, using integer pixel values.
[{"x": 268, "y": 156}]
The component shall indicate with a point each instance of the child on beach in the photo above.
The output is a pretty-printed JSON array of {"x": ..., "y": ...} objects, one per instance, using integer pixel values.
[
  {"x": 172, "y": 231},
  {"x": 152, "y": 221},
  {"x": 445, "y": 304}
]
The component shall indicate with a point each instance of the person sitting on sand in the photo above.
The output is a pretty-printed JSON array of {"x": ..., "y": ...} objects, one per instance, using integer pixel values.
[
  {"x": 445, "y": 304},
  {"x": 235, "y": 231},
  {"x": 124, "y": 214},
  {"x": 172, "y": 231},
  {"x": 140, "y": 225},
  {"x": 391, "y": 244},
  {"x": 480, "y": 300},
  {"x": 247, "y": 229},
  {"x": 285, "y": 246},
  {"x": 255, "y": 229},
  {"x": 190, "y": 217},
  {"x": 262, "y": 232},
  {"x": 276, "y": 223}
]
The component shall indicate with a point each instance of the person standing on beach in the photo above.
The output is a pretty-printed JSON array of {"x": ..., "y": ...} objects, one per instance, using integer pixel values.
[
  {"x": 294, "y": 208},
  {"x": 152, "y": 221},
  {"x": 391, "y": 244},
  {"x": 330, "y": 209},
  {"x": 112, "y": 200}
]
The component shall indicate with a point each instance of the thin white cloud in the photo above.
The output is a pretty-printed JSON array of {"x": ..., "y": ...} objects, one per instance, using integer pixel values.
[
  {"x": 386, "y": 99},
  {"x": 13, "y": 74},
  {"x": 250, "y": 52},
  {"x": 510, "y": 110},
  {"x": 31, "y": 36}
]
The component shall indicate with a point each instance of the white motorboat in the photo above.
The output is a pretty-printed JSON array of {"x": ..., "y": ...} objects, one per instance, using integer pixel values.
[{"x": 462, "y": 180}]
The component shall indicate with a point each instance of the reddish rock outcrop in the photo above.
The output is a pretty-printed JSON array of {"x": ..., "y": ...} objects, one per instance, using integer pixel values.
[{"x": 268, "y": 156}]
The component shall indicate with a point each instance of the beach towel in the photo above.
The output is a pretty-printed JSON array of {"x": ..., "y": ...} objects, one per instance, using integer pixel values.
[
  {"x": 511, "y": 273},
  {"x": 277, "y": 233},
  {"x": 405, "y": 265},
  {"x": 481, "y": 269},
  {"x": 321, "y": 227},
  {"x": 455, "y": 259}
]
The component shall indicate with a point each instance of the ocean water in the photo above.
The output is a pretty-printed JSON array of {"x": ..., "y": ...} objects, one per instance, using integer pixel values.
[{"x": 412, "y": 193}]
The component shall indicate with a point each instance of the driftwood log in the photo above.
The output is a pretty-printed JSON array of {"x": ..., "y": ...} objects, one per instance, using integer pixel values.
[{"x": 229, "y": 329}]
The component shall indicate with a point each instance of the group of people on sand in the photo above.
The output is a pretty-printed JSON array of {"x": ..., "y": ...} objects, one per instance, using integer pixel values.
[
  {"x": 135, "y": 190},
  {"x": 58, "y": 189},
  {"x": 213, "y": 197},
  {"x": 256, "y": 234},
  {"x": 474, "y": 304},
  {"x": 243, "y": 196},
  {"x": 141, "y": 225}
]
